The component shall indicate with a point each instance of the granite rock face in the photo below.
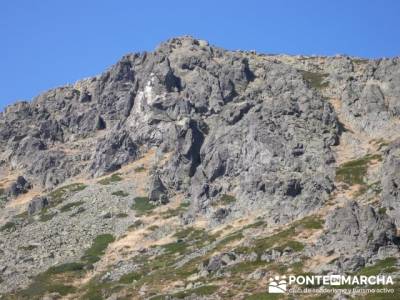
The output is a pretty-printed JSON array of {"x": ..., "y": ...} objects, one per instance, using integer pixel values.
[{"x": 234, "y": 124}]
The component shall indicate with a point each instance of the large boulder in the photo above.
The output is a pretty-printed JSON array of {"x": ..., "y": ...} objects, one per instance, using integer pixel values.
[
  {"x": 157, "y": 190},
  {"x": 356, "y": 233},
  {"x": 37, "y": 204},
  {"x": 20, "y": 186}
]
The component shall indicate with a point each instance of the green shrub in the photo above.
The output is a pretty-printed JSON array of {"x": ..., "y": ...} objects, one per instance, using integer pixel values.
[
  {"x": 50, "y": 281},
  {"x": 295, "y": 245},
  {"x": 27, "y": 248},
  {"x": 382, "y": 210},
  {"x": 142, "y": 205},
  {"x": 44, "y": 216},
  {"x": 311, "y": 222},
  {"x": 379, "y": 267},
  {"x": 100, "y": 244},
  {"x": 122, "y": 215},
  {"x": 176, "y": 247},
  {"x": 69, "y": 206},
  {"x": 228, "y": 239},
  {"x": 9, "y": 226},
  {"x": 113, "y": 178},
  {"x": 316, "y": 80},
  {"x": 59, "y": 195},
  {"x": 140, "y": 169},
  {"x": 247, "y": 266},
  {"x": 225, "y": 200},
  {"x": 96, "y": 290},
  {"x": 67, "y": 267},
  {"x": 23, "y": 215},
  {"x": 262, "y": 244},
  {"x": 297, "y": 267},
  {"x": 189, "y": 232},
  {"x": 130, "y": 277},
  {"x": 120, "y": 194}
]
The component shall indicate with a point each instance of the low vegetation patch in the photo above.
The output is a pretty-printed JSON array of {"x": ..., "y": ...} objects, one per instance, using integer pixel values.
[
  {"x": 176, "y": 247},
  {"x": 46, "y": 216},
  {"x": 310, "y": 222},
  {"x": 120, "y": 194},
  {"x": 27, "y": 248},
  {"x": 204, "y": 290},
  {"x": 140, "y": 169},
  {"x": 111, "y": 179},
  {"x": 225, "y": 200},
  {"x": 316, "y": 80},
  {"x": 69, "y": 206},
  {"x": 122, "y": 215},
  {"x": 284, "y": 238},
  {"x": 23, "y": 215},
  {"x": 295, "y": 245},
  {"x": 263, "y": 244},
  {"x": 67, "y": 267},
  {"x": 382, "y": 210},
  {"x": 130, "y": 277},
  {"x": 54, "y": 280},
  {"x": 100, "y": 244},
  {"x": 380, "y": 267},
  {"x": 97, "y": 290},
  {"x": 229, "y": 239},
  {"x": 142, "y": 205},
  {"x": 59, "y": 195},
  {"x": 176, "y": 211},
  {"x": 9, "y": 226},
  {"x": 353, "y": 172}
]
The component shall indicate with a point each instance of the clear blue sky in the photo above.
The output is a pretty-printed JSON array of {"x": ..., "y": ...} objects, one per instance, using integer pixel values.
[{"x": 49, "y": 43}]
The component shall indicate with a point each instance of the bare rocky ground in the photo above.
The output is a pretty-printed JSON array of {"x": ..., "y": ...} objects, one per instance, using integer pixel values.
[{"x": 195, "y": 172}]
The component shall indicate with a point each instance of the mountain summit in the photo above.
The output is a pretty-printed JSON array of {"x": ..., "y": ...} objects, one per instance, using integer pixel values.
[{"x": 188, "y": 170}]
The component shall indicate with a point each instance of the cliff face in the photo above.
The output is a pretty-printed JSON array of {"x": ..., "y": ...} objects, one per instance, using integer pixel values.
[{"x": 219, "y": 138}]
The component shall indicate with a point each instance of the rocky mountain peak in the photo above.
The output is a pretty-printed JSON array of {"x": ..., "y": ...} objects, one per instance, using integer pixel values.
[{"x": 167, "y": 148}]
